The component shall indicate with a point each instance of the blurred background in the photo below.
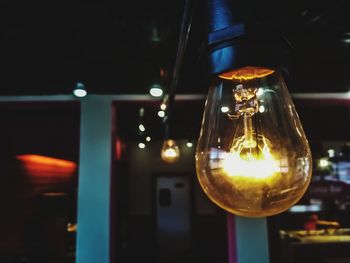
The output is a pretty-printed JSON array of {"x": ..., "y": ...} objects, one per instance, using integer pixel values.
[{"x": 159, "y": 212}]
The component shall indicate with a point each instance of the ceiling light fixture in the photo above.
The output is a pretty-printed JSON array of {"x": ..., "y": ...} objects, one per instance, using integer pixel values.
[
  {"x": 156, "y": 90},
  {"x": 331, "y": 153},
  {"x": 79, "y": 90}
]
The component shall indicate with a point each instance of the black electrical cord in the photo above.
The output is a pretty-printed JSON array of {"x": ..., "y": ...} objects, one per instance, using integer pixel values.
[{"x": 183, "y": 39}]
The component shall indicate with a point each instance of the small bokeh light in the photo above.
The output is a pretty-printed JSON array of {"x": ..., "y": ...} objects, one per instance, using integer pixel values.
[
  {"x": 163, "y": 106},
  {"x": 142, "y": 128},
  {"x": 224, "y": 109},
  {"x": 323, "y": 163},
  {"x": 260, "y": 92},
  {"x": 142, "y": 145},
  {"x": 331, "y": 153},
  {"x": 161, "y": 114},
  {"x": 189, "y": 144}
]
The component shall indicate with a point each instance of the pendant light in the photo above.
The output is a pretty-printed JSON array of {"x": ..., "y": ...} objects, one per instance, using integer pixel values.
[
  {"x": 252, "y": 156},
  {"x": 170, "y": 152}
]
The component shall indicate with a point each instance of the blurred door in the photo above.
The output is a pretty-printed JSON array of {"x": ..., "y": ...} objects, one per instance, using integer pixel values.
[{"x": 173, "y": 228}]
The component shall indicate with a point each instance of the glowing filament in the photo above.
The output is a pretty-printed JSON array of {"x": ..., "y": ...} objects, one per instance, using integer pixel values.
[
  {"x": 170, "y": 151},
  {"x": 247, "y": 163}
]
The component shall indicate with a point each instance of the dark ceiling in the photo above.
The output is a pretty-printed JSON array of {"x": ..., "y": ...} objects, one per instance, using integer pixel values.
[{"x": 118, "y": 47}]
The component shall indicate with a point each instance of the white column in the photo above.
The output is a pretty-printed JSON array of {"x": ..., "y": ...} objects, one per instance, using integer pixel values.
[
  {"x": 252, "y": 240},
  {"x": 93, "y": 233}
]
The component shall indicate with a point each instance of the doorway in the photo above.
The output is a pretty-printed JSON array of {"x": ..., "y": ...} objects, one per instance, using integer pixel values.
[{"x": 173, "y": 219}]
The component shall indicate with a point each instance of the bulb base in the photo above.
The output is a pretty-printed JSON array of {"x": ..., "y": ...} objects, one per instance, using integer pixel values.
[{"x": 245, "y": 34}]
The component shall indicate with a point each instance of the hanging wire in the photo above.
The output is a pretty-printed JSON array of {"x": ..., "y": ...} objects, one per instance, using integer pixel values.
[{"x": 183, "y": 39}]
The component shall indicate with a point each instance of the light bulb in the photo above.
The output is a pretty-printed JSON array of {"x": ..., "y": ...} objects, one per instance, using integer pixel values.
[
  {"x": 170, "y": 152},
  {"x": 254, "y": 160}
]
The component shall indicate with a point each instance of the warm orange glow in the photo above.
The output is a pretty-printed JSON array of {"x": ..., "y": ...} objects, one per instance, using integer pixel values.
[
  {"x": 170, "y": 152},
  {"x": 246, "y": 73},
  {"x": 72, "y": 227},
  {"x": 44, "y": 166},
  {"x": 250, "y": 166},
  {"x": 118, "y": 149}
]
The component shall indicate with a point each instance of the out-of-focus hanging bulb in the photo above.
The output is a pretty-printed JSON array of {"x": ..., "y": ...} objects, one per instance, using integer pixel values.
[
  {"x": 254, "y": 160},
  {"x": 170, "y": 152},
  {"x": 163, "y": 106}
]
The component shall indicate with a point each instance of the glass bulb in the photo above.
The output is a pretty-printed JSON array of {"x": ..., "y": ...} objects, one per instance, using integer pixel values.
[
  {"x": 253, "y": 160},
  {"x": 170, "y": 151}
]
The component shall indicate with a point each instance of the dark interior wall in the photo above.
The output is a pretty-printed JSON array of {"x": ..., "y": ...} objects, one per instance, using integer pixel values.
[{"x": 50, "y": 129}]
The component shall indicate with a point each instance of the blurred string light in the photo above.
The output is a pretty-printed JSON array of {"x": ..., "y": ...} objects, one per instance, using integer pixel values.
[
  {"x": 79, "y": 90},
  {"x": 148, "y": 138},
  {"x": 142, "y": 127},
  {"x": 331, "y": 153},
  {"x": 323, "y": 163},
  {"x": 189, "y": 144},
  {"x": 141, "y": 112},
  {"x": 161, "y": 114},
  {"x": 225, "y": 109},
  {"x": 261, "y": 108},
  {"x": 163, "y": 106},
  {"x": 142, "y": 145},
  {"x": 141, "y": 115},
  {"x": 164, "y": 103},
  {"x": 260, "y": 92}
]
